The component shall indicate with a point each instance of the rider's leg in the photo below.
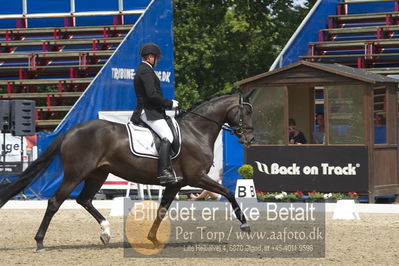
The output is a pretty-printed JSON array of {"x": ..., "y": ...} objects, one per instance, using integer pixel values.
[
  {"x": 165, "y": 166},
  {"x": 160, "y": 127}
]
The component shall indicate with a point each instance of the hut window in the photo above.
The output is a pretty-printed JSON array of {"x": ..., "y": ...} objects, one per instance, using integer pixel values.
[
  {"x": 346, "y": 116},
  {"x": 379, "y": 103},
  {"x": 268, "y": 117}
]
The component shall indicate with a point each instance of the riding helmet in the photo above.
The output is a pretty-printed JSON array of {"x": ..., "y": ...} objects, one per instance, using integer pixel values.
[{"x": 150, "y": 48}]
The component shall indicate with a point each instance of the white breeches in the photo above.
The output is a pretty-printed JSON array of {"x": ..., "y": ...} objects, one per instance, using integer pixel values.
[{"x": 159, "y": 126}]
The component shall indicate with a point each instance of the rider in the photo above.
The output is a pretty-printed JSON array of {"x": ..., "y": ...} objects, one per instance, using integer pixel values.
[{"x": 151, "y": 107}]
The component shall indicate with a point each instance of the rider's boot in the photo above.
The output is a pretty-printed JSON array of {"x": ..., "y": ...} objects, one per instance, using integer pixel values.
[{"x": 166, "y": 175}]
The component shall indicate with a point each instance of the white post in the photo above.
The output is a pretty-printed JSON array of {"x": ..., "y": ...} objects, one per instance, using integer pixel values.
[
  {"x": 24, "y": 7},
  {"x": 129, "y": 184},
  {"x": 346, "y": 210}
]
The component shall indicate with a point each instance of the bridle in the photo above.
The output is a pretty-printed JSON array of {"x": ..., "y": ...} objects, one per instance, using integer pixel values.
[{"x": 240, "y": 129}]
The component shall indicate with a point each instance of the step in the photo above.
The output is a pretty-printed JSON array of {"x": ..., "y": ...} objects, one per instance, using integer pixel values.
[
  {"x": 52, "y": 123},
  {"x": 50, "y": 70},
  {"x": 60, "y": 108},
  {"x": 367, "y": 56},
  {"x": 55, "y": 55},
  {"x": 342, "y": 7},
  {"x": 73, "y": 14},
  {"x": 49, "y": 67},
  {"x": 17, "y": 82},
  {"x": 367, "y": 17},
  {"x": 364, "y": 2},
  {"x": 357, "y": 30},
  {"x": 62, "y": 42},
  {"x": 331, "y": 45},
  {"x": 384, "y": 71},
  {"x": 66, "y": 30},
  {"x": 36, "y": 95}
]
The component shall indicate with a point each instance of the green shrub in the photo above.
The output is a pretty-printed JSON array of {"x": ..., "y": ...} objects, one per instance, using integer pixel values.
[{"x": 246, "y": 171}]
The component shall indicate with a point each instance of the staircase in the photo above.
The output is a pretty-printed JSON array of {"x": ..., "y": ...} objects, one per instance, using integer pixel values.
[
  {"x": 54, "y": 65},
  {"x": 368, "y": 41}
]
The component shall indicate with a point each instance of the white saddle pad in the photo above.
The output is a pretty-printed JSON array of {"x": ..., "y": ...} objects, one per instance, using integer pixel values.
[{"x": 142, "y": 143}]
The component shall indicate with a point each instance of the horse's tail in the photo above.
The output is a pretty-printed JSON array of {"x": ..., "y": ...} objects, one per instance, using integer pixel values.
[{"x": 35, "y": 169}]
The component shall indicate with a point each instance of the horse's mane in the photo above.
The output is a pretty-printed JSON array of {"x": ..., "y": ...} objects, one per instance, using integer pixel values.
[{"x": 180, "y": 115}]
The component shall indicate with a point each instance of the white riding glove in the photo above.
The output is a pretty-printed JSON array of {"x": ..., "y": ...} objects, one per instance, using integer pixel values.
[{"x": 175, "y": 104}]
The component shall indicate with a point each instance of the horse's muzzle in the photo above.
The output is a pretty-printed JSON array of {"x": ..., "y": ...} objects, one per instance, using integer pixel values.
[{"x": 247, "y": 141}]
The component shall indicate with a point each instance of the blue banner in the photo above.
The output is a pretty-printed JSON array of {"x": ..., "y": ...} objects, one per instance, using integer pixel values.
[{"x": 308, "y": 33}]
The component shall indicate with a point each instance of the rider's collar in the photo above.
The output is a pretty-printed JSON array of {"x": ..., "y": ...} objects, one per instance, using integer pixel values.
[{"x": 147, "y": 63}]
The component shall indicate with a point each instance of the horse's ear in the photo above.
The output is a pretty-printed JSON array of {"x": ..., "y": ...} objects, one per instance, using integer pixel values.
[{"x": 247, "y": 95}]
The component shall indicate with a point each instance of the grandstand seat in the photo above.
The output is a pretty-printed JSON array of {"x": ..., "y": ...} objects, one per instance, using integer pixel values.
[
  {"x": 362, "y": 40},
  {"x": 54, "y": 65}
]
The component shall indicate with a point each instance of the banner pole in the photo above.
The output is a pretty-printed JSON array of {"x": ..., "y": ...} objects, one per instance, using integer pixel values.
[{"x": 2, "y": 152}]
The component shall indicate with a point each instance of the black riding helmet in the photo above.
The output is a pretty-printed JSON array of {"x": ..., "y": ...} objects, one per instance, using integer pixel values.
[{"x": 150, "y": 48}]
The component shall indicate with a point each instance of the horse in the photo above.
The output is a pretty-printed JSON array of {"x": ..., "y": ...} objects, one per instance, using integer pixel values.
[{"x": 91, "y": 150}]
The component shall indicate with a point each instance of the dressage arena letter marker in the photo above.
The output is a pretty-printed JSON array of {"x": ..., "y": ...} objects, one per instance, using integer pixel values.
[{"x": 245, "y": 188}]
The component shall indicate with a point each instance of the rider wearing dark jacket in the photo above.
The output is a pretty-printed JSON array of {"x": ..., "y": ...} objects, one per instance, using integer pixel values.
[{"x": 151, "y": 107}]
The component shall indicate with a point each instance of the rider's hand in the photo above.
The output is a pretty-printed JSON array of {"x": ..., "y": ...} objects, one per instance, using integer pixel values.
[{"x": 175, "y": 104}]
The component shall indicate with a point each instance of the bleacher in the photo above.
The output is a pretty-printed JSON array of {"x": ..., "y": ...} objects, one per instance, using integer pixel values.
[
  {"x": 360, "y": 39},
  {"x": 53, "y": 65}
]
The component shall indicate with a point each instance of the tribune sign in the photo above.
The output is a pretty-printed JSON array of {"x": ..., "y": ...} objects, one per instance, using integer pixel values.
[{"x": 308, "y": 168}]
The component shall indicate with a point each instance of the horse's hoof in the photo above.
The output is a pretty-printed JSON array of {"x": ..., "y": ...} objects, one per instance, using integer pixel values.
[
  {"x": 154, "y": 241},
  {"x": 40, "y": 250},
  {"x": 39, "y": 247},
  {"x": 245, "y": 228},
  {"x": 105, "y": 238}
]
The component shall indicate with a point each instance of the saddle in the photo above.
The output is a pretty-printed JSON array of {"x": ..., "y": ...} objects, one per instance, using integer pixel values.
[{"x": 144, "y": 142}]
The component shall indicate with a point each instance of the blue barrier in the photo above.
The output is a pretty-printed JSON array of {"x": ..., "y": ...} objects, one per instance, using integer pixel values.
[{"x": 233, "y": 158}]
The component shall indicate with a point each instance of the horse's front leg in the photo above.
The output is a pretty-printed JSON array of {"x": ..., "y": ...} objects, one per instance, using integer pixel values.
[
  {"x": 167, "y": 198},
  {"x": 211, "y": 185}
]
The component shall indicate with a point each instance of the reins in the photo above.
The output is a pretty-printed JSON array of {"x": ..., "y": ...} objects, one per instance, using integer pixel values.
[{"x": 224, "y": 127}]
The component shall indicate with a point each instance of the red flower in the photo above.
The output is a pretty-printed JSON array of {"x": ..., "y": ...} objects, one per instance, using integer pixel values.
[
  {"x": 299, "y": 193},
  {"x": 353, "y": 194}
]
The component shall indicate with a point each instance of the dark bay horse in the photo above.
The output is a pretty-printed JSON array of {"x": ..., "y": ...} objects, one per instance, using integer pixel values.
[{"x": 91, "y": 150}]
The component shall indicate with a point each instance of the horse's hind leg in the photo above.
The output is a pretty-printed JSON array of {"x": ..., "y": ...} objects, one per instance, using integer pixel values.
[
  {"x": 209, "y": 184},
  {"x": 167, "y": 198},
  {"x": 54, "y": 204},
  {"x": 92, "y": 185}
]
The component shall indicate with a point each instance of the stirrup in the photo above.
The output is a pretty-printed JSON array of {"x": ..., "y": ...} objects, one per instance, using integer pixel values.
[{"x": 169, "y": 178}]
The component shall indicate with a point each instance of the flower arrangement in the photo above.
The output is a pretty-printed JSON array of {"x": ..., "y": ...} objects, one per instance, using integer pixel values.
[
  {"x": 338, "y": 196},
  {"x": 281, "y": 196},
  {"x": 246, "y": 171},
  {"x": 299, "y": 196},
  {"x": 265, "y": 195},
  {"x": 315, "y": 195},
  {"x": 327, "y": 196},
  {"x": 353, "y": 195}
]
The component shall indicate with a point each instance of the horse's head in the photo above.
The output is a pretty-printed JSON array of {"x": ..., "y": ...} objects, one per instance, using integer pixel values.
[{"x": 239, "y": 118}]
